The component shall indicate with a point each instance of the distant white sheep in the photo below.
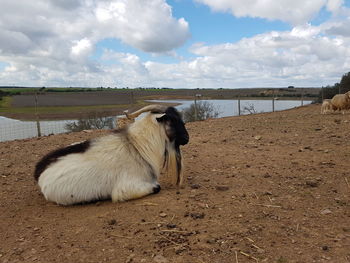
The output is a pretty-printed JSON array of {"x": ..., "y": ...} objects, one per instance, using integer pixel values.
[
  {"x": 122, "y": 166},
  {"x": 327, "y": 106}
]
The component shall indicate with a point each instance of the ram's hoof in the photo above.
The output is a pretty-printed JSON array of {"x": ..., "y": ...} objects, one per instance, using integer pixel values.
[{"x": 156, "y": 189}]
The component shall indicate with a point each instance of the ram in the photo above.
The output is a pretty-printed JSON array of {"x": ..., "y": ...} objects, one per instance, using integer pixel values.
[{"x": 123, "y": 165}]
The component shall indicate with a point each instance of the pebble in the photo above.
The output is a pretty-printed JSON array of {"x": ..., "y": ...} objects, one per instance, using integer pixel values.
[
  {"x": 130, "y": 258},
  {"x": 211, "y": 241},
  {"x": 326, "y": 212},
  {"x": 163, "y": 214},
  {"x": 195, "y": 186},
  {"x": 203, "y": 205},
  {"x": 160, "y": 259},
  {"x": 112, "y": 222},
  {"x": 222, "y": 187},
  {"x": 312, "y": 183},
  {"x": 197, "y": 215},
  {"x": 325, "y": 248}
]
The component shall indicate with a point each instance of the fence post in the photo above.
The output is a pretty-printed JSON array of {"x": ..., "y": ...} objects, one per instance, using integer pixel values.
[
  {"x": 239, "y": 106},
  {"x": 273, "y": 103},
  {"x": 302, "y": 98},
  {"x": 195, "y": 106},
  {"x": 132, "y": 97},
  {"x": 37, "y": 115}
]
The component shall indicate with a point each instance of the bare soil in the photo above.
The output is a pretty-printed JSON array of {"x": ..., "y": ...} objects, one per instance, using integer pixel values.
[{"x": 270, "y": 187}]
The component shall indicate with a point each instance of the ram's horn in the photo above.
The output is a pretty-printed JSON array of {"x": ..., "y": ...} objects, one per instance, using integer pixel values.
[{"x": 155, "y": 108}]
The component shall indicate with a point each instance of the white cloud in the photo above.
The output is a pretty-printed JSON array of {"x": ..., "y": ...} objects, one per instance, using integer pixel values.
[
  {"x": 295, "y": 12},
  {"x": 301, "y": 57},
  {"x": 149, "y": 27},
  {"x": 81, "y": 47},
  {"x": 50, "y": 43},
  {"x": 61, "y": 34},
  {"x": 125, "y": 62},
  {"x": 334, "y": 5},
  {"x": 338, "y": 28}
]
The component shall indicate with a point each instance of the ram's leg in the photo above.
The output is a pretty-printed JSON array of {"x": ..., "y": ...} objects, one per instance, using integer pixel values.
[{"x": 129, "y": 190}]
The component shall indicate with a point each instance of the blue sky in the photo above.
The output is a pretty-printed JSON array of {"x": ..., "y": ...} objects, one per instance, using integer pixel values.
[
  {"x": 217, "y": 27},
  {"x": 174, "y": 43},
  {"x": 205, "y": 26}
]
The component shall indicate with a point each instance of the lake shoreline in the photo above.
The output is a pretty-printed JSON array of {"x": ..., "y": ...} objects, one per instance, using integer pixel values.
[
  {"x": 114, "y": 111},
  {"x": 84, "y": 113}
]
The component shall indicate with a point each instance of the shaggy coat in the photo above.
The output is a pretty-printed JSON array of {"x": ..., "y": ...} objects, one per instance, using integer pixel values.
[
  {"x": 341, "y": 102},
  {"x": 122, "y": 166}
]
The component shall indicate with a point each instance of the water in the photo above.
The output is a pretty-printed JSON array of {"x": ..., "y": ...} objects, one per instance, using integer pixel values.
[
  {"x": 11, "y": 129},
  {"x": 228, "y": 108}
]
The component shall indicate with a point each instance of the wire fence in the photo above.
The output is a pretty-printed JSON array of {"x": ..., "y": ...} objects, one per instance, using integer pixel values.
[{"x": 14, "y": 129}]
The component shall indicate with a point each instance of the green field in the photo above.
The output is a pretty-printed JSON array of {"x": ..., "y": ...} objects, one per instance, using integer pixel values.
[{"x": 22, "y": 90}]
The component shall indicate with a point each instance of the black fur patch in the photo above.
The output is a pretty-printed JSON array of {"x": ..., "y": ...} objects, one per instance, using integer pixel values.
[
  {"x": 178, "y": 130},
  {"x": 178, "y": 163},
  {"x": 156, "y": 189},
  {"x": 156, "y": 112},
  {"x": 54, "y": 155},
  {"x": 165, "y": 157}
]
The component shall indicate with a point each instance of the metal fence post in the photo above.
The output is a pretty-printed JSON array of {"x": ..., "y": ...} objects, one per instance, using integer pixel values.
[
  {"x": 239, "y": 106},
  {"x": 302, "y": 99},
  {"x": 37, "y": 115},
  {"x": 132, "y": 97},
  {"x": 195, "y": 106}
]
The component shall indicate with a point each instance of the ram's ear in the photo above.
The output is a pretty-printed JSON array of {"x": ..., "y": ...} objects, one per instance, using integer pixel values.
[{"x": 160, "y": 117}]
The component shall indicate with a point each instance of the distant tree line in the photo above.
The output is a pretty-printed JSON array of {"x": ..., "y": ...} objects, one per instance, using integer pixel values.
[
  {"x": 328, "y": 92},
  {"x": 281, "y": 95}
]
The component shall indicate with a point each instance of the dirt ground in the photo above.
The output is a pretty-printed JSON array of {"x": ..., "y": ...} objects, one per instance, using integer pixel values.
[{"x": 271, "y": 187}]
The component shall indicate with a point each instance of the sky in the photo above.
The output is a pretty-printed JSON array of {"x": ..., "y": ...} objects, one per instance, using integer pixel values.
[{"x": 174, "y": 43}]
